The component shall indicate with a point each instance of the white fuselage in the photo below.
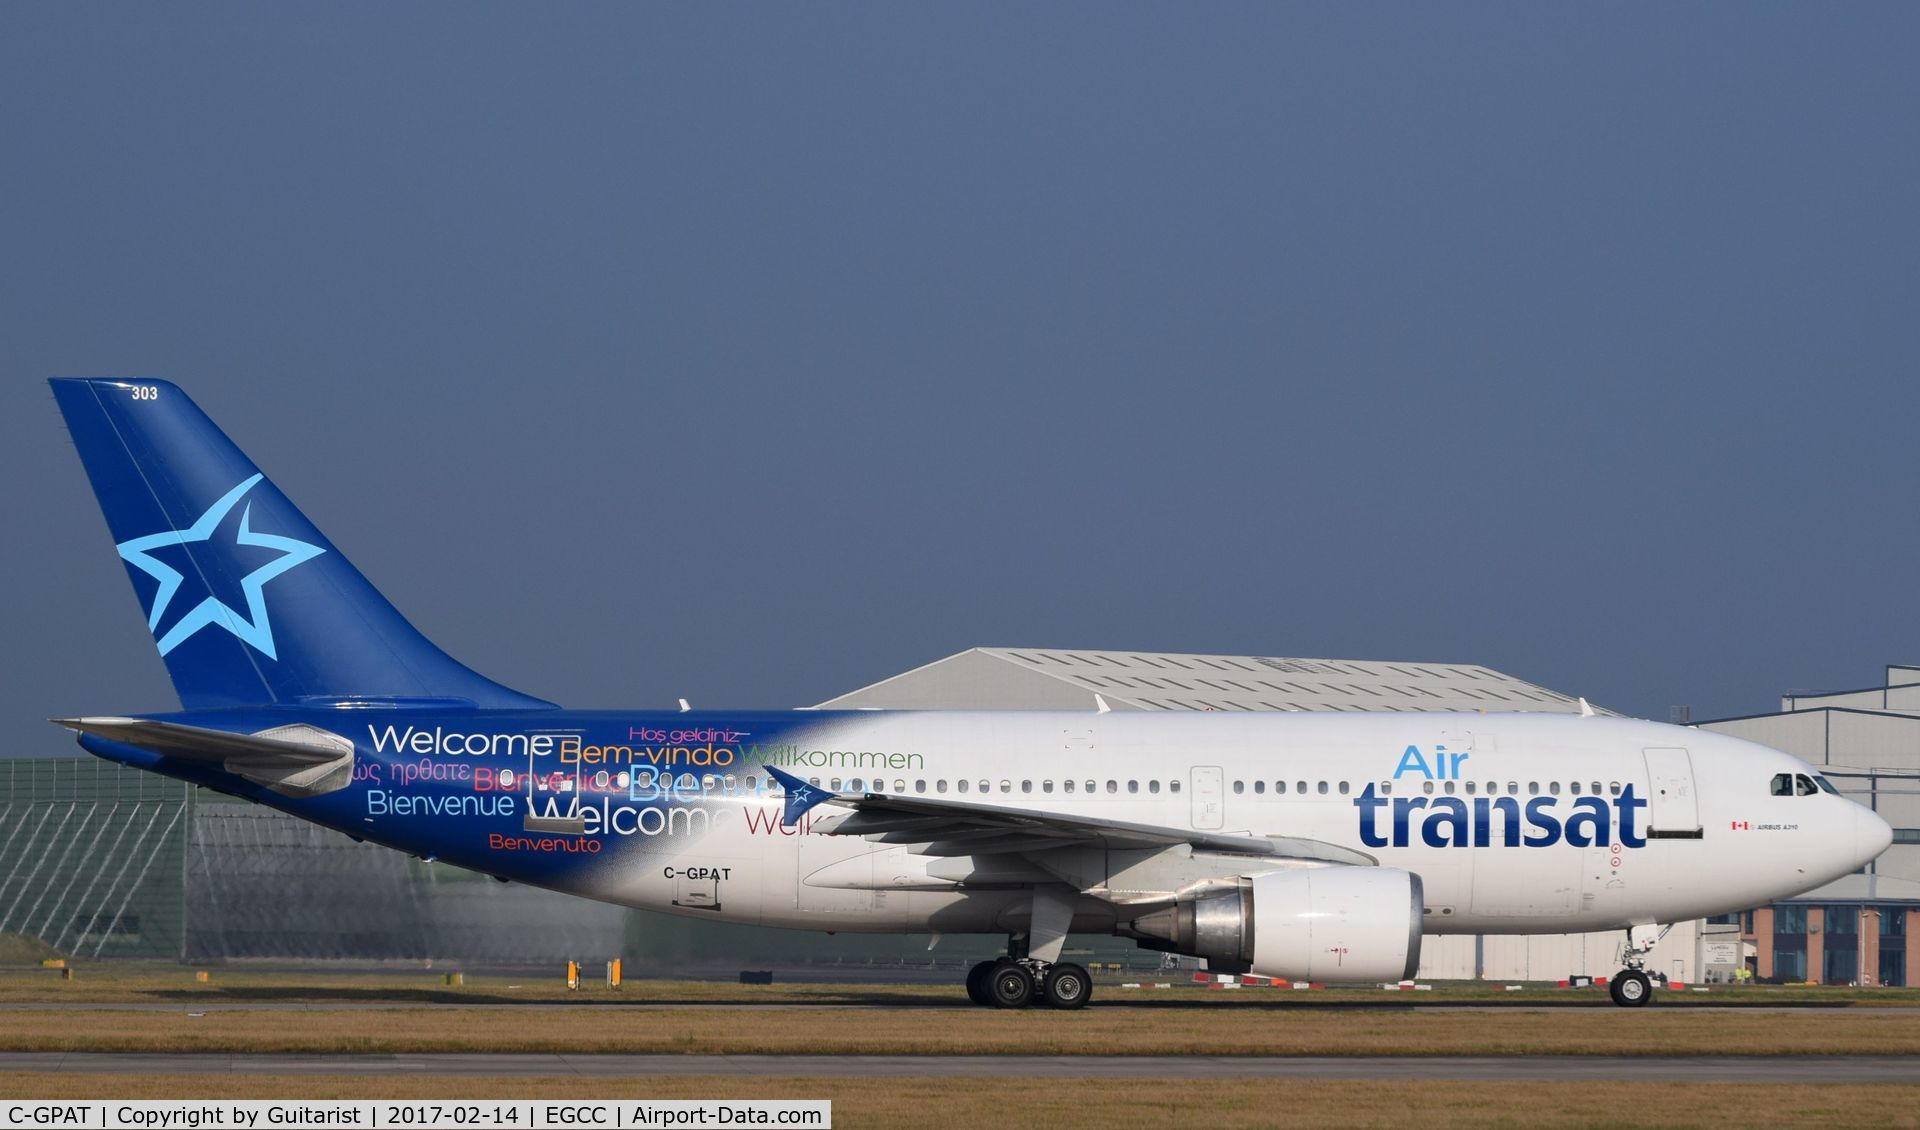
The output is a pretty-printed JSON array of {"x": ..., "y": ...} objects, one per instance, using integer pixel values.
[{"x": 1515, "y": 823}]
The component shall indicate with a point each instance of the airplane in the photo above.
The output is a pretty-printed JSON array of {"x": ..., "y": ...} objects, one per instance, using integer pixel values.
[{"x": 1297, "y": 846}]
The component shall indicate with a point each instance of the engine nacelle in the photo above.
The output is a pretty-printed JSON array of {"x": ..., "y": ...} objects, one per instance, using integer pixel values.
[{"x": 1313, "y": 924}]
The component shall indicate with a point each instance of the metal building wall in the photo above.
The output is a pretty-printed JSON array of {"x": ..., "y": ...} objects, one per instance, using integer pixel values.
[{"x": 90, "y": 857}]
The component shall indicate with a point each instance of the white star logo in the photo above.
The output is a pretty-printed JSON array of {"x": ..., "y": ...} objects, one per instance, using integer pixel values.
[{"x": 254, "y": 629}]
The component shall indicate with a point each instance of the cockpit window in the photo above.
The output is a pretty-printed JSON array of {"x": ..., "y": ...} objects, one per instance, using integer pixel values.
[
  {"x": 1826, "y": 786},
  {"x": 1783, "y": 784},
  {"x": 1803, "y": 785}
]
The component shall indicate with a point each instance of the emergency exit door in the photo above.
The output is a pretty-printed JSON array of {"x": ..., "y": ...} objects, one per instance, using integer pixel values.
[{"x": 1209, "y": 796}]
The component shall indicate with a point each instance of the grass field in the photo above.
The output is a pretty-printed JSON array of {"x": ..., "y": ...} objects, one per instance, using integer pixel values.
[
  {"x": 1106, "y": 1104},
  {"x": 1170, "y": 1031}
]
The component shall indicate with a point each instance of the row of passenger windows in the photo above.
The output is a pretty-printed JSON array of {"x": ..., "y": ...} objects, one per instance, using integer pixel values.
[{"x": 644, "y": 779}]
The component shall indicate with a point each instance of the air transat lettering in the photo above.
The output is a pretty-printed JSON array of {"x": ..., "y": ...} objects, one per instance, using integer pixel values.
[
  {"x": 1448, "y": 821},
  {"x": 1444, "y": 766}
]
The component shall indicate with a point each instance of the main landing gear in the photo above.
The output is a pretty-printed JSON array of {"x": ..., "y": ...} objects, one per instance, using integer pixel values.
[
  {"x": 1032, "y": 970},
  {"x": 1009, "y": 983},
  {"x": 1631, "y": 987}
]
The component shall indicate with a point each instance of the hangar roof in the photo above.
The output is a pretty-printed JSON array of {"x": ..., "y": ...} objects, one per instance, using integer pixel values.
[{"x": 1026, "y": 678}]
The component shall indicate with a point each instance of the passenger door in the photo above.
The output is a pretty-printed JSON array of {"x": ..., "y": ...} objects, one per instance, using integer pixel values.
[{"x": 1673, "y": 811}]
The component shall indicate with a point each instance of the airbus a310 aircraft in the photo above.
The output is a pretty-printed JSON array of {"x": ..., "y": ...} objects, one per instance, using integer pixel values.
[{"x": 1298, "y": 846}]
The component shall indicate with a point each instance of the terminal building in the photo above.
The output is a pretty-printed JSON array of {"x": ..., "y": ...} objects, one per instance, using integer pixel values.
[{"x": 102, "y": 861}]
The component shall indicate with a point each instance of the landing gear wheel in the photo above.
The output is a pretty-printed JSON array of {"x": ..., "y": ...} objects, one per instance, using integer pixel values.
[
  {"x": 1631, "y": 988},
  {"x": 1067, "y": 986},
  {"x": 977, "y": 983},
  {"x": 1009, "y": 985}
]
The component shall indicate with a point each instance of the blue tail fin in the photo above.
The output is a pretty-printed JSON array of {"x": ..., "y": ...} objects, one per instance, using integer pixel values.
[{"x": 248, "y": 603}]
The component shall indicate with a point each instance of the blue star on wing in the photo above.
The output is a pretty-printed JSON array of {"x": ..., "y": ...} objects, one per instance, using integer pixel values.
[{"x": 254, "y": 629}]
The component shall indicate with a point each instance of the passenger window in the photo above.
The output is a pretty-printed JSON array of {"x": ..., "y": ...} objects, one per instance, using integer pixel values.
[
  {"x": 1533, "y": 788},
  {"x": 1067, "y": 785},
  {"x": 1554, "y": 788},
  {"x": 1447, "y": 788},
  {"x": 1113, "y": 786},
  {"x": 1323, "y": 788},
  {"x": 1301, "y": 786},
  {"x": 940, "y": 786},
  {"x": 1026, "y": 786},
  {"x": 986, "y": 786},
  {"x": 1280, "y": 786},
  {"x": 1596, "y": 788},
  {"x": 1173, "y": 786},
  {"x": 1426, "y": 787},
  {"x": 1006, "y": 786},
  {"x": 1090, "y": 787},
  {"x": 1133, "y": 786},
  {"x": 1239, "y": 787},
  {"x": 1386, "y": 788},
  {"x": 961, "y": 785},
  {"x": 836, "y": 784},
  {"x": 1470, "y": 787},
  {"x": 1613, "y": 787},
  {"x": 1259, "y": 787},
  {"x": 920, "y": 786},
  {"x": 1046, "y": 786},
  {"x": 899, "y": 786},
  {"x": 1343, "y": 788},
  {"x": 1573, "y": 787},
  {"x": 1803, "y": 785},
  {"x": 1783, "y": 784},
  {"x": 1513, "y": 788},
  {"x": 1153, "y": 786}
]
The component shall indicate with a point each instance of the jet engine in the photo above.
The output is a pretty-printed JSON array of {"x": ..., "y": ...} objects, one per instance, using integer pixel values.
[{"x": 1311, "y": 924}]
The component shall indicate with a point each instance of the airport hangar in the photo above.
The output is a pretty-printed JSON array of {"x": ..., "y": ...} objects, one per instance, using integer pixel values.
[{"x": 102, "y": 861}]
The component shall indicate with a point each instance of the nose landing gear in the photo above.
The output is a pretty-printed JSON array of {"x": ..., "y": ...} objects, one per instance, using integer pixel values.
[{"x": 1631, "y": 987}]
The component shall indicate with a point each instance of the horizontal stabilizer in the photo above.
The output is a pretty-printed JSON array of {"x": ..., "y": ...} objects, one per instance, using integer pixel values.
[{"x": 299, "y": 760}]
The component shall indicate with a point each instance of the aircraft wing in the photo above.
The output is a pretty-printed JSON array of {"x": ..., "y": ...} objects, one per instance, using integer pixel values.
[
  {"x": 299, "y": 760},
  {"x": 957, "y": 827}
]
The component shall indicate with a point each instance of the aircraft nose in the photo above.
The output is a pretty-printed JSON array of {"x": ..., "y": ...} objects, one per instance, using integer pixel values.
[{"x": 1871, "y": 834}]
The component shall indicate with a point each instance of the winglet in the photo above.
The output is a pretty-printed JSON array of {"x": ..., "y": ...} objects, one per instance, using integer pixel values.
[
  {"x": 1586, "y": 709},
  {"x": 800, "y": 796},
  {"x": 1100, "y": 704}
]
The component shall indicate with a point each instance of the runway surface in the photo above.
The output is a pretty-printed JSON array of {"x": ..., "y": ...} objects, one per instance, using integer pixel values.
[
  {"x": 1696, "y": 1069},
  {"x": 1113, "y": 1001}
]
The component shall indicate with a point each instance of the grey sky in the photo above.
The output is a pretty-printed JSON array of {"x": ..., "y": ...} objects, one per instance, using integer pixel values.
[{"x": 751, "y": 353}]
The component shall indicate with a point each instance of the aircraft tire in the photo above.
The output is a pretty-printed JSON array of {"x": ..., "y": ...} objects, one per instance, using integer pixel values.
[
  {"x": 1010, "y": 985},
  {"x": 977, "y": 983},
  {"x": 1067, "y": 987},
  {"x": 1631, "y": 988}
]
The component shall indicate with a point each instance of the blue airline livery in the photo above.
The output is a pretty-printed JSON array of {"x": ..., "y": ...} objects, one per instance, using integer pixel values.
[{"x": 1298, "y": 846}]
